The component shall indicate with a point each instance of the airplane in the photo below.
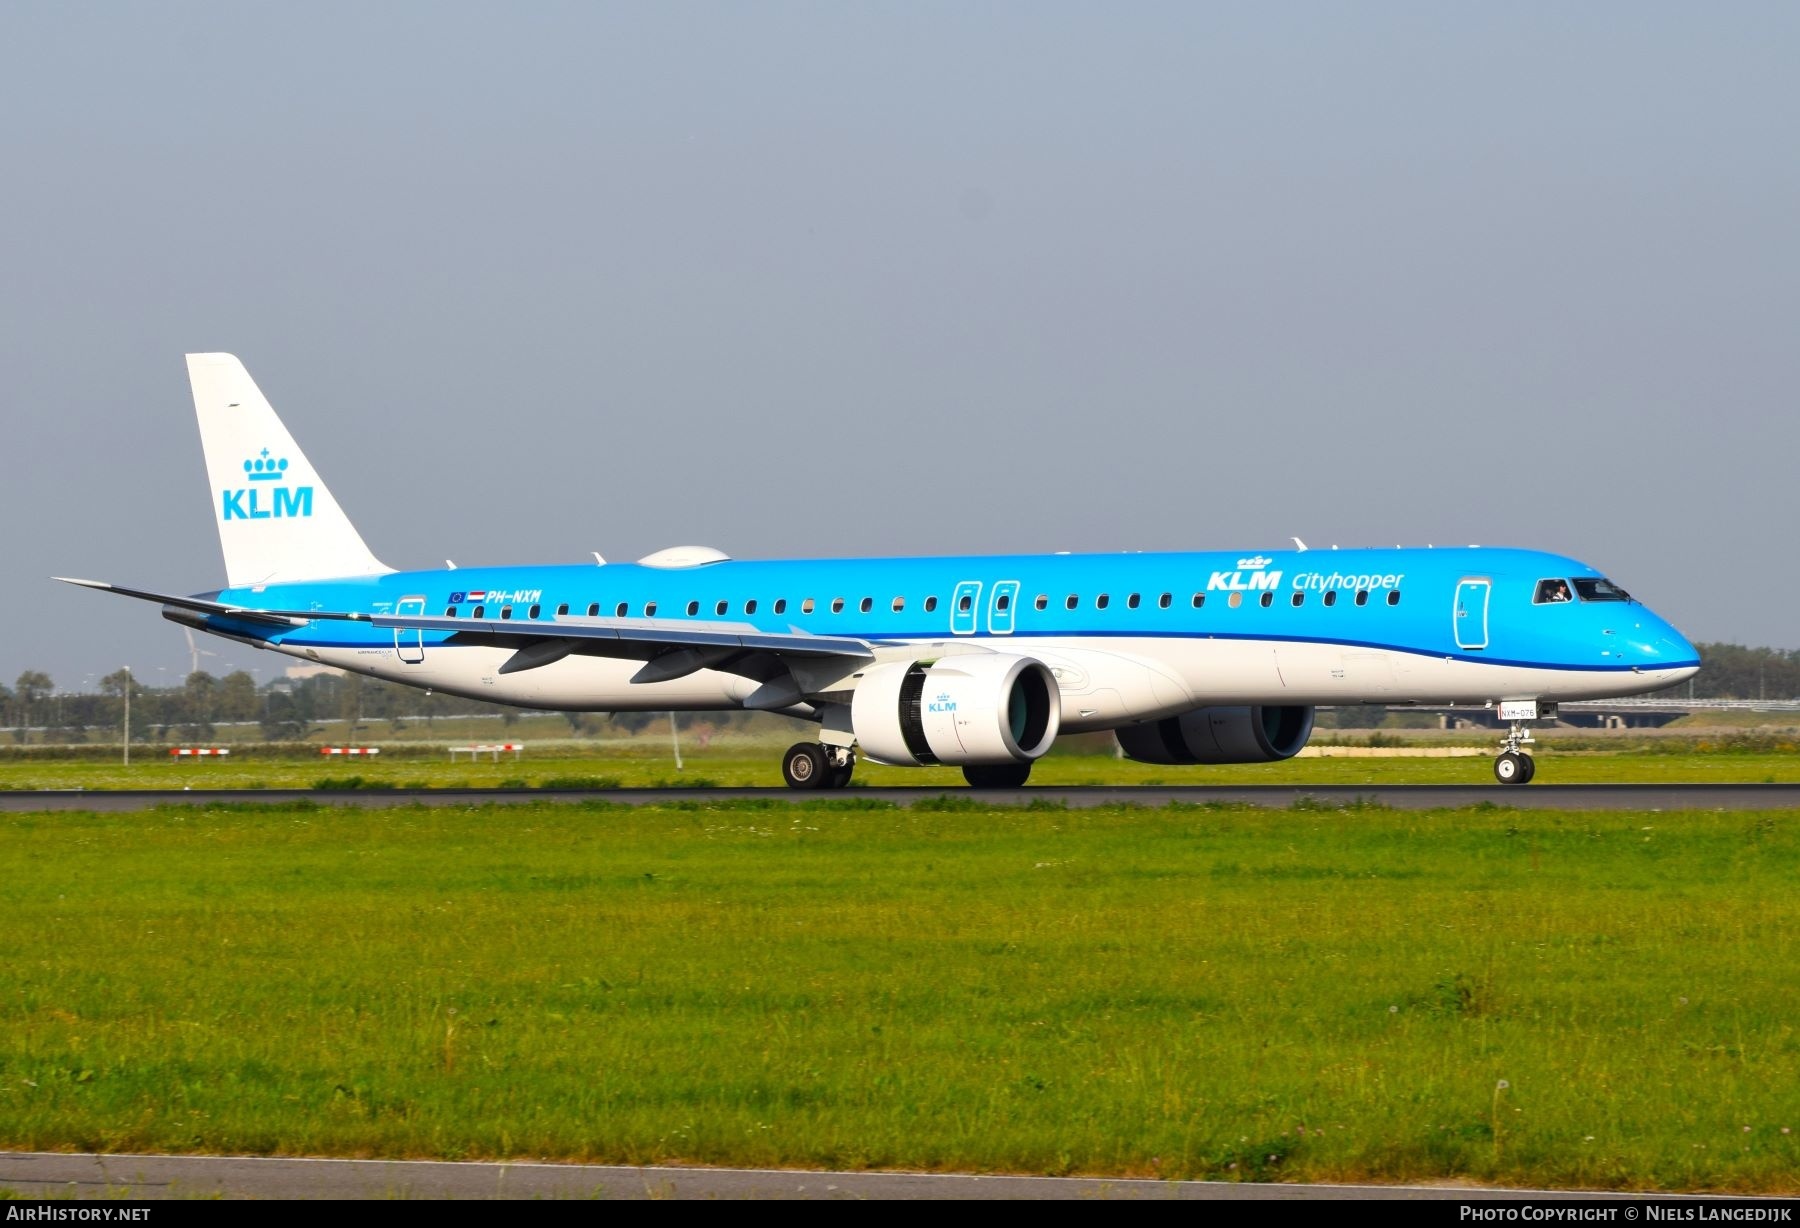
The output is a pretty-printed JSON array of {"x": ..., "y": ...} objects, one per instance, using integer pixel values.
[{"x": 968, "y": 661}]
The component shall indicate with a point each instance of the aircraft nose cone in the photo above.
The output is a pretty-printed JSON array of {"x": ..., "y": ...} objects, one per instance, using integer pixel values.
[{"x": 1668, "y": 652}]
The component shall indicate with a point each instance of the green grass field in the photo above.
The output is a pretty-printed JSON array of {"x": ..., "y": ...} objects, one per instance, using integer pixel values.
[
  {"x": 1587, "y": 999},
  {"x": 738, "y": 761}
]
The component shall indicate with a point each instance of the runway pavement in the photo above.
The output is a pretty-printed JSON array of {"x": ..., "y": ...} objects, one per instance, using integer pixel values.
[
  {"x": 1404, "y": 797},
  {"x": 57, "y": 1175}
]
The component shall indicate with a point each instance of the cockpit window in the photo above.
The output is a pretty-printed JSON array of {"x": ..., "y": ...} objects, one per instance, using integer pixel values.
[
  {"x": 1600, "y": 590},
  {"x": 1552, "y": 590}
]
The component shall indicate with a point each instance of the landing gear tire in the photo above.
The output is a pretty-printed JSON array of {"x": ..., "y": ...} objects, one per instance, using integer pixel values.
[
  {"x": 997, "y": 775},
  {"x": 805, "y": 766},
  {"x": 840, "y": 776},
  {"x": 1513, "y": 768}
]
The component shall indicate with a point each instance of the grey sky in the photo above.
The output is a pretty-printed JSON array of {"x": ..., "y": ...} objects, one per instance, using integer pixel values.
[{"x": 528, "y": 281}]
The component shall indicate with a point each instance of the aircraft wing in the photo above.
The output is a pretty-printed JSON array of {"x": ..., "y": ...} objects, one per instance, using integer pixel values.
[
  {"x": 670, "y": 647},
  {"x": 657, "y": 632}
]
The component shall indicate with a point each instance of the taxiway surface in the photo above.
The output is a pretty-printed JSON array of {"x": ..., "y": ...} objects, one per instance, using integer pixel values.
[{"x": 1403, "y": 797}]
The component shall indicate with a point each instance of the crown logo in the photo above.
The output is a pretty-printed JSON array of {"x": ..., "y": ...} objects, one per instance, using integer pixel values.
[
  {"x": 1255, "y": 561},
  {"x": 265, "y": 468}
]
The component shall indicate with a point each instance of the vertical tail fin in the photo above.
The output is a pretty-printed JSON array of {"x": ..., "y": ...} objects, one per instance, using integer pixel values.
[{"x": 277, "y": 521}]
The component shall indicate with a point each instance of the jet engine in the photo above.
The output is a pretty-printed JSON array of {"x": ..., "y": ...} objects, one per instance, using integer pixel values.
[
  {"x": 971, "y": 708},
  {"x": 1220, "y": 735}
]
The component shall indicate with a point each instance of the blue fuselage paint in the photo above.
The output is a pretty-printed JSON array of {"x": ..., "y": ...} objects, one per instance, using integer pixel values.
[{"x": 1412, "y": 601}]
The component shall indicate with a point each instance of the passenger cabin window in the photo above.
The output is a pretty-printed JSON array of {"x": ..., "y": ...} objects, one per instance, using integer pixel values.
[
  {"x": 1235, "y": 600},
  {"x": 1003, "y": 602},
  {"x": 1267, "y": 600},
  {"x": 479, "y": 611},
  {"x": 1549, "y": 591},
  {"x": 1042, "y": 602},
  {"x": 1362, "y": 596},
  {"x": 837, "y": 605},
  {"x": 930, "y": 604},
  {"x": 693, "y": 608},
  {"x": 1600, "y": 590},
  {"x": 899, "y": 604},
  {"x": 1299, "y": 599},
  {"x": 649, "y": 609},
  {"x": 593, "y": 609},
  {"x": 1199, "y": 600},
  {"x": 781, "y": 605},
  {"x": 1165, "y": 601},
  {"x": 1101, "y": 602},
  {"x": 806, "y": 607},
  {"x": 534, "y": 611},
  {"x": 964, "y": 603},
  {"x": 1330, "y": 596},
  {"x": 866, "y": 604},
  {"x": 450, "y": 612},
  {"x": 721, "y": 608},
  {"x": 1131, "y": 602},
  {"x": 622, "y": 611},
  {"x": 1073, "y": 601},
  {"x": 505, "y": 611},
  {"x": 750, "y": 606},
  {"x": 562, "y": 609},
  {"x": 1394, "y": 596}
]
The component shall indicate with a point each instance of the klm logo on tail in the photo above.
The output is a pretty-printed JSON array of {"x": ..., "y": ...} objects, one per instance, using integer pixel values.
[{"x": 283, "y": 501}]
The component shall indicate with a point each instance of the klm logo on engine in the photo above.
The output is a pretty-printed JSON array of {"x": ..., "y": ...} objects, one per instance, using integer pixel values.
[
  {"x": 943, "y": 703},
  {"x": 268, "y": 496}
]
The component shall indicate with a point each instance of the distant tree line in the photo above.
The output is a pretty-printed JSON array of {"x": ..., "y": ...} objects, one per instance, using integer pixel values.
[
  {"x": 293, "y": 708},
  {"x": 1731, "y": 671},
  {"x": 288, "y": 709}
]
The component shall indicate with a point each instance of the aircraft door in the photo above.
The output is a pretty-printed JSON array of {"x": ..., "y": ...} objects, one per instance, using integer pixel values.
[
  {"x": 1001, "y": 607},
  {"x": 965, "y": 607},
  {"x": 408, "y": 642},
  {"x": 1471, "y": 617}
]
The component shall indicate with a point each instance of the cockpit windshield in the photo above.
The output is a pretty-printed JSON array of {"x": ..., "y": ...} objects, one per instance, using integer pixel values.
[
  {"x": 1600, "y": 590},
  {"x": 1552, "y": 590}
]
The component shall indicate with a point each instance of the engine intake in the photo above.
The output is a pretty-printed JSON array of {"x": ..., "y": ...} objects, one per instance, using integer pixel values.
[
  {"x": 1220, "y": 735},
  {"x": 972, "y": 708}
]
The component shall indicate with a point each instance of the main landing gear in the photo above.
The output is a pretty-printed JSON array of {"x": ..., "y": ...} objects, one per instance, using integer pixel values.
[
  {"x": 1514, "y": 766},
  {"x": 809, "y": 765}
]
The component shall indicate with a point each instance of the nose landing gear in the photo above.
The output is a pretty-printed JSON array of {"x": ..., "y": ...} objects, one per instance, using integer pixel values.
[
  {"x": 1514, "y": 765},
  {"x": 1514, "y": 768}
]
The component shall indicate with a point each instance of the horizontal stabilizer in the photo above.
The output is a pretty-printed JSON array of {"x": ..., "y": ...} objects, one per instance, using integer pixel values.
[{"x": 198, "y": 604}]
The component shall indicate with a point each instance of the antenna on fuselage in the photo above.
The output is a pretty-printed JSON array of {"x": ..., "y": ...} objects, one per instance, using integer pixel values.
[{"x": 1300, "y": 545}]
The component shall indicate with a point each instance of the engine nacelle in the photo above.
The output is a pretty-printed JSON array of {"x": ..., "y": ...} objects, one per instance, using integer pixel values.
[
  {"x": 971, "y": 708},
  {"x": 1220, "y": 735}
]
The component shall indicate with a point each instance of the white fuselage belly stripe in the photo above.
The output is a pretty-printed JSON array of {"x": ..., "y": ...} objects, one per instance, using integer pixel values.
[{"x": 1103, "y": 683}]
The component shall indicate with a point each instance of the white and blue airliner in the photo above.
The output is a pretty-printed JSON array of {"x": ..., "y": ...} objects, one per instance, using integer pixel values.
[{"x": 977, "y": 662}]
